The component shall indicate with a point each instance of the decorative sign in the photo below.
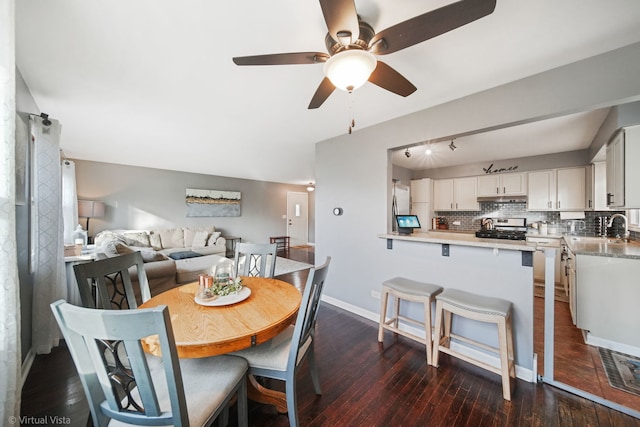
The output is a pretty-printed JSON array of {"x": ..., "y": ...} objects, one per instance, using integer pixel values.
[
  {"x": 490, "y": 169},
  {"x": 212, "y": 203}
]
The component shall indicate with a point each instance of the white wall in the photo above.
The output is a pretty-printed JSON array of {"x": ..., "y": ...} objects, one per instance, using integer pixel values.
[{"x": 354, "y": 172}]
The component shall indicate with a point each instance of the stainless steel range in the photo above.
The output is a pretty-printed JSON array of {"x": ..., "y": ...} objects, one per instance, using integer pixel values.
[{"x": 503, "y": 228}]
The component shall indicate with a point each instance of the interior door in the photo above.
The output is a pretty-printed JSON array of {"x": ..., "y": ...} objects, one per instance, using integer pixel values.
[{"x": 298, "y": 218}]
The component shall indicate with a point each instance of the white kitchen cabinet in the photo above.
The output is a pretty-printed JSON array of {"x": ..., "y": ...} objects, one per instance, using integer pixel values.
[
  {"x": 421, "y": 190},
  {"x": 596, "y": 186},
  {"x": 459, "y": 194},
  {"x": 443, "y": 194},
  {"x": 557, "y": 190},
  {"x": 607, "y": 300},
  {"x": 421, "y": 202},
  {"x": 509, "y": 184},
  {"x": 570, "y": 190},
  {"x": 465, "y": 194},
  {"x": 623, "y": 168},
  {"x": 541, "y": 194}
]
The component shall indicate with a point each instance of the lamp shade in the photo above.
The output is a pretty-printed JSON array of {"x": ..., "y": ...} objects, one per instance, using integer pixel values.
[
  {"x": 90, "y": 209},
  {"x": 350, "y": 69}
]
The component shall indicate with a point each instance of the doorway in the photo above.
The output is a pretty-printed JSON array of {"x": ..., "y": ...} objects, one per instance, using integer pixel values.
[{"x": 298, "y": 218}]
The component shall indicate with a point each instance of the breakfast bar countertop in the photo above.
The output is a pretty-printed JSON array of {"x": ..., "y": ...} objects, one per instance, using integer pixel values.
[{"x": 462, "y": 239}]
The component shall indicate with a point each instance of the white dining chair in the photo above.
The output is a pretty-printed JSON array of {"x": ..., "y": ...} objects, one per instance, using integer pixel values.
[
  {"x": 280, "y": 357},
  {"x": 163, "y": 391}
]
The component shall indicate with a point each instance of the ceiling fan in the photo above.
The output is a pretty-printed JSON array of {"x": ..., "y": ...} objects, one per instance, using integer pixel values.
[{"x": 353, "y": 45}]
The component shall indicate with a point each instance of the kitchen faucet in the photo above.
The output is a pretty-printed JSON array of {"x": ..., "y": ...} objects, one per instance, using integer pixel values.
[{"x": 626, "y": 225}]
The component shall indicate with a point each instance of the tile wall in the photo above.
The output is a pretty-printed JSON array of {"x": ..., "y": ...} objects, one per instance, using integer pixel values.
[{"x": 470, "y": 221}]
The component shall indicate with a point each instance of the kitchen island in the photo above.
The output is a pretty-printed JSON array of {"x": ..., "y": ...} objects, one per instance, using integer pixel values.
[{"x": 490, "y": 267}]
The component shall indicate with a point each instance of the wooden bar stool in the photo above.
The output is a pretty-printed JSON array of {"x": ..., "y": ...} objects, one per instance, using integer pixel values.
[
  {"x": 484, "y": 309},
  {"x": 408, "y": 290}
]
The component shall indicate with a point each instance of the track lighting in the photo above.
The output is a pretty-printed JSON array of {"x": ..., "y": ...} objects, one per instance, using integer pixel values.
[
  {"x": 45, "y": 119},
  {"x": 452, "y": 146},
  {"x": 428, "y": 150},
  {"x": 407, "y": 153}
]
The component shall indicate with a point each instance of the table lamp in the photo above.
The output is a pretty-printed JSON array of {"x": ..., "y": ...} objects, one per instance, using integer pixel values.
[{"x": 90, "y": 209}]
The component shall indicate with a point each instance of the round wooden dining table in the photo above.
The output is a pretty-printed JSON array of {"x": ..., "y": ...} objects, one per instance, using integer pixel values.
[{"x": 203, "y": 331}]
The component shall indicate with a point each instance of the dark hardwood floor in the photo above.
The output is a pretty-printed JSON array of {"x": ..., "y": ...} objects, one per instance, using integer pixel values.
[{"x": 364, "y": 384}]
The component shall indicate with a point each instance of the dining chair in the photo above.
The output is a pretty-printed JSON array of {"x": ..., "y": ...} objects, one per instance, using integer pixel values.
[
  {"x": 112, "y": 280},
  {"x": 280, "y": 357},
  {"x": 255, "y": 259},
  {"x": 167, "y": 390}
]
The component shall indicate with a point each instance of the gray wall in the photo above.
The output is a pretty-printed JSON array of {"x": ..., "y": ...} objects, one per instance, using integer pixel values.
[
  {"x": 143, "y": 198},
  {"x": 360, "y": 259},
  {"x": 24, "y": 104}
]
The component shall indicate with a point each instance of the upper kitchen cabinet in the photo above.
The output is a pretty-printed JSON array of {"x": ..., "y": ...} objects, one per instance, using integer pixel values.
[
  {"x": 459, "y": 194},
  {"x": 557, "y": 190},
  {"x": 597, "y": 187},
  {"x": 510, "y": 184},
  {"x": 623, "y": 168},
  {"x": 421, "y": 190}
]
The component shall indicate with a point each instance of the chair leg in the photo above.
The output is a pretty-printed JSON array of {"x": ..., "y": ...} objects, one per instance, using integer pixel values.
[
  {"x": 504, "y": 359},
  {"x": 383, "y": 313},
  {"x": 396, "y": 323},
  {"x": 314, "y": 371},
  {"x": 242, "y": 403},
  {"x": 290, "y": 391},
  {"x": 427, "y": 330},
  {"x": 438, "y": 334}
]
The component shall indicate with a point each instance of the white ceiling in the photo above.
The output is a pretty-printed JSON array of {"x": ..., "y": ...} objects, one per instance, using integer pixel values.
[
  {"x": 151, "y": 82},
  {"x": 557, "y": 135}
]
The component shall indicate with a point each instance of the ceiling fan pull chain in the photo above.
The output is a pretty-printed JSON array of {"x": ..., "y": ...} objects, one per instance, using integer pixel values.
[{"x": 353, "y": 121}]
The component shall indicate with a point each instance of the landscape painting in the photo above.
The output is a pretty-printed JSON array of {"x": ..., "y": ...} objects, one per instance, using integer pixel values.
[{"x": 212, "y": 203}]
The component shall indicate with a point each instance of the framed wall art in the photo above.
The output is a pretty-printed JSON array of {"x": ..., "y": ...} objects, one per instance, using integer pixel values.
[{"x": 212, "y": 203}]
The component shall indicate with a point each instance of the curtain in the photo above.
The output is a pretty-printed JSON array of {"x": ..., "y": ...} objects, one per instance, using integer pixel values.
[
  {"x": 49, "y": 282},
  {"x": 10, "y": 357},
  {"x": 69, "y": 199}
]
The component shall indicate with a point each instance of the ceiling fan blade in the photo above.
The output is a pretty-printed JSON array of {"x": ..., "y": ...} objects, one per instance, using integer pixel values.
[
  {"x": 429, "y": 25},
  {"x": 341, "y": 17},
  {"x": 282, "y": 58},
  {"x": 325, "y": 89},
  {"x": 391, "y": 80}
]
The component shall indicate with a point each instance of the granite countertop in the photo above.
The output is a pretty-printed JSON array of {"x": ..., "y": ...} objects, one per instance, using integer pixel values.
[
  {"x": 462, "y": 238},
  {"x": 603, "y": 246}
]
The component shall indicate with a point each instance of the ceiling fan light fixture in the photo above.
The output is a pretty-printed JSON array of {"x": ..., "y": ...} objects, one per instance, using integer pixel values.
[{"x": 350, "y": 69}]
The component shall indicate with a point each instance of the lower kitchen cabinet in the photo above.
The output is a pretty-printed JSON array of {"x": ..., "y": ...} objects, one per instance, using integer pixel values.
[{"x": 607, "y": 296}]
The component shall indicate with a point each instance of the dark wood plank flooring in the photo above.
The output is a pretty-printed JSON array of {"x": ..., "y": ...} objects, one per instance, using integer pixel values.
[{"x": 364, "y": 384}]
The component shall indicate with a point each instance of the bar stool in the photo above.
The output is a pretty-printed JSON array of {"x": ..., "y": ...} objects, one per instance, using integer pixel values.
[
  {"x": 484, "y": 309},
  {"x": 408, "y": 290}
]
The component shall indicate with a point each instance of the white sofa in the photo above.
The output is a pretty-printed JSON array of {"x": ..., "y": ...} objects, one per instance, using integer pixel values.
[{"x": 172, "y": 256}]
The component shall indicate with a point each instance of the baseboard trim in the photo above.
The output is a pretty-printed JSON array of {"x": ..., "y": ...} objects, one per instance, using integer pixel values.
[
  {"x": 611, "y": 345},
  {"x": 522, "y": 373}
]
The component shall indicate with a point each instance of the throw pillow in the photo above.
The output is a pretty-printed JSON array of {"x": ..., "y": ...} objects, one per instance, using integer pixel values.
[
  {"x": 213, "y": 238},
  {"x": 138, "y": 238},
  {"x": 190, "y": 233},
  {"x": 171, "y": 238},
  {"x": 200, "y": 239},
  {"x": 154, "y": 240},
  {"x": 184, "y": 255}
]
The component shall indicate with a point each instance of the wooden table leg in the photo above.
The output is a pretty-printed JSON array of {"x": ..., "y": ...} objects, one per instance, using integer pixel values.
[{"x": 258, "y": 393}]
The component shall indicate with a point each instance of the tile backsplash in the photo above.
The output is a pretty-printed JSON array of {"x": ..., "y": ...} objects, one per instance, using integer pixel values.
[{"x": 470, "y": 220}]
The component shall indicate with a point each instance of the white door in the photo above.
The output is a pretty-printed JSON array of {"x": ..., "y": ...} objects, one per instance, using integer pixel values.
[{"x": 298, "y": 218}]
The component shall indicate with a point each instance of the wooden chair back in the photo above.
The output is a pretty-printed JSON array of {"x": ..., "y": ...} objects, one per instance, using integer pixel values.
[
  {"x": 111, "y": 293},
  {"x": 259, "y": 259}
]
